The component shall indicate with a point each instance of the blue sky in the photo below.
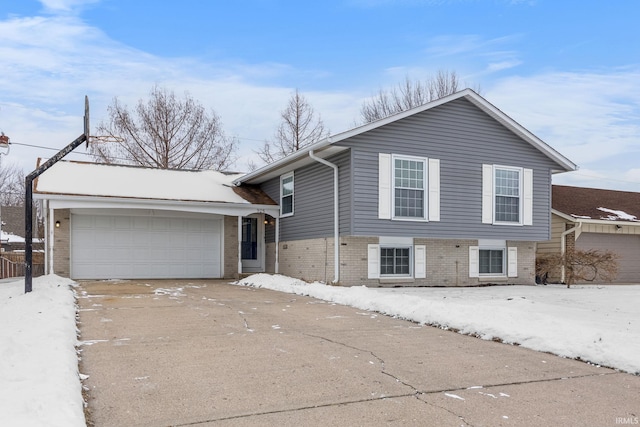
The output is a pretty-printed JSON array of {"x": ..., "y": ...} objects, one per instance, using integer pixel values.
[{"x": 569, "y": 71}]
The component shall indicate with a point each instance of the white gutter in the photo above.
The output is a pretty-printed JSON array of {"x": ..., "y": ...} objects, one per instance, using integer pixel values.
[
  {"x": 336, "y": 218},
  {"x": 563, "y": 243}
]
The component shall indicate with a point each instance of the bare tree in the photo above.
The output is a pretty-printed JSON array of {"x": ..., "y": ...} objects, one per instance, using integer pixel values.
[
  {"x": 409, "y": 94},
  {"x": 579, "y": 265},
  {"x": 165, "y": 132},
  {"x": 12, "y": 191},
  {"x": 299, "y": 127}
]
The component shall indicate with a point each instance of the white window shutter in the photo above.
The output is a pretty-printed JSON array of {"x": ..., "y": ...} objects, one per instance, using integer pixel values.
[
  {"x": 420, "y": 263},
  {"x": 474, "y": 261},
  {"x": 384, "y": 186},
  {"x": 434, "y": 190},
  {"x": 373, "y": 261},
  {"x": 487, "y": 194},
  {"x": 527, "y": 203},
  {"x": 512, "y": 262}
]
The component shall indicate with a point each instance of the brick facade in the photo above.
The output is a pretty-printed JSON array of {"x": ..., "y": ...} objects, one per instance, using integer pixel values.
[
  {"x": 61, "y": 243},
  {"x": 447, "y": 262},
  {"x": 230, "y": 247},
  {"x": 310, "y": 260}
]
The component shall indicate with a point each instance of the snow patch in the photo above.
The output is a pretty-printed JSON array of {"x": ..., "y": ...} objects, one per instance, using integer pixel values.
[
  {"x": 617, "y": 215},
  {"x": 453, "y": 396},
  {"x": 38, "y": 356}
]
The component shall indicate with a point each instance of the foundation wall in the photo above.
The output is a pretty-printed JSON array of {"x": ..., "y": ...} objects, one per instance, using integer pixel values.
[{"x": 447, "y": 263}]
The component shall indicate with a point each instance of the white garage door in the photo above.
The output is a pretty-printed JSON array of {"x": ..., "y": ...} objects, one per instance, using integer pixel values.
[
  {"x": 145, "y": 247},
  {"x": 627, "y": 246}
]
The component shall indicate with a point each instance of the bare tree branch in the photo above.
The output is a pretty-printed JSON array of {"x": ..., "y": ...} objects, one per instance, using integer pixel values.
[
  {"x": 12, "y": 191},
  {"x": 299, "y": 127},
  {"x": 580, "y": 265},
  {"x": 409, "y": 94},
  {"x": 166, "y": 132}
]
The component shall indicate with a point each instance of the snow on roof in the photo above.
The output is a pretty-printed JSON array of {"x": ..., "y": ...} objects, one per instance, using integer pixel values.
[
  {"x": 10, "y": 238},
  {"x": 587, "y": 203},
  {"x": 616, "y": 215},
  {"x": 92, "y": 179}
]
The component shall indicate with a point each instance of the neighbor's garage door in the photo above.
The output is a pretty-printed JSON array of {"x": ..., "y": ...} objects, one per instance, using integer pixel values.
[
  {"x": 149, "y": 247},
  {"x": 627, "y": 246}
]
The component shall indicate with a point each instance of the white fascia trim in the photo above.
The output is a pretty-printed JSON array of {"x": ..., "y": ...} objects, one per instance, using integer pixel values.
[
  {"x": 232, "y": 209},
  {"x": 348, "y": 134},
  {"x": 471, "y": 95},
  {"x": 518, "y": 129}
]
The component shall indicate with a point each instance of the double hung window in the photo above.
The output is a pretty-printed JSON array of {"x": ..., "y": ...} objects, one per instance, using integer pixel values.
[
  {"x": 507, "y": 194},
  {"x": 409, "y": 187},
  {"x": 286, "y": 195}
]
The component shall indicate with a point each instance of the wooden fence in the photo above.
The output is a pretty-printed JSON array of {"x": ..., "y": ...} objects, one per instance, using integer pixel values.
[{"x": 12, "y": 264}]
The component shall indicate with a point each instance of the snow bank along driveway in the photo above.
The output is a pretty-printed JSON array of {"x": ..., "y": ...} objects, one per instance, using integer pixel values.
[{"x": 597, "y": 324}]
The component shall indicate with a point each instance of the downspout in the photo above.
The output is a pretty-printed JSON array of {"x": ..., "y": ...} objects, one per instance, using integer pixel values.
[
  {"x": 336, "y": 218},
  {"x": 563, "y": 246}
]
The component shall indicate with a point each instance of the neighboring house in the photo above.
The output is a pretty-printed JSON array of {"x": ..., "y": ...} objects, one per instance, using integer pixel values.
[
  {"x": 12, "y": 229},
  {"x": 451, "y": 193},
  {"x": 590, "y": 218}
]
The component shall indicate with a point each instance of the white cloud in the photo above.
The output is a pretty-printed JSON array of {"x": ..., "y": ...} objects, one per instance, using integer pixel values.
[
  {"x": 65, "y": 6},
  {"x": 502, "y": 65},
  {"x": 593, "y": 118},
  {"x": 50, "y": 63}
]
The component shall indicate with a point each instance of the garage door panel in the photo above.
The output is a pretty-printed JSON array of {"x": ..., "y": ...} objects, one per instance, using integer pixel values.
[
  {"x": 626, "y": 246},
  {"x": 104, "y": 247}
]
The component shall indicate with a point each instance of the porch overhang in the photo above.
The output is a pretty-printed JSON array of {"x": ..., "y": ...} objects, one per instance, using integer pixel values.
[{"x": 59, "y": 201}]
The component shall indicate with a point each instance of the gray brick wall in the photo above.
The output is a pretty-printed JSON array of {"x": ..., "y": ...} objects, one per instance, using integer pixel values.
[
  {"x": 61, "y": 243},
  {"x": 270, "y": 258},
  {"x": 230, "y": 247},
  {"x": 310, "y": 260},
  {"x": 447, "y": 262}
]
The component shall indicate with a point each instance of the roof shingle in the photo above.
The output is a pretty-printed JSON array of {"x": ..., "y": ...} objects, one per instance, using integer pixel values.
[{"x": 594, "y": 203}]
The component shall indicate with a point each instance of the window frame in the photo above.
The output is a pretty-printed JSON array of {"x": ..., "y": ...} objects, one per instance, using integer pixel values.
[
  {"x": 425, "y": 187},
  {"x": 503, "y": 273},
  {"x": 282, "y": 195},
  {"x": 409, "y": 258},
  {"x": 520, "y": 197}
]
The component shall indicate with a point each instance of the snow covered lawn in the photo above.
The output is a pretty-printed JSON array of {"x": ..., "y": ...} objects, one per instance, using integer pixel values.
[
  {"x": 598, "y": 324},
  {"x": 39, "y": 383}
]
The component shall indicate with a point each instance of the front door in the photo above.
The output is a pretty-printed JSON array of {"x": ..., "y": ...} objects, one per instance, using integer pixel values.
[{"x": 252, "y": 243}]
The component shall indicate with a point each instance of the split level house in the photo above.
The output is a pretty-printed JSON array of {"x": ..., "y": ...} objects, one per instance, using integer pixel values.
[
  {"x": 596, "y": 219},
  {"x": 451, "y": 193}
]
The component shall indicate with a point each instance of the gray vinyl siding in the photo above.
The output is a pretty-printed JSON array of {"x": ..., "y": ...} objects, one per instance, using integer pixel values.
[
  {"x": 463, "y": 138},
  {"x": 313, "y": 200}
]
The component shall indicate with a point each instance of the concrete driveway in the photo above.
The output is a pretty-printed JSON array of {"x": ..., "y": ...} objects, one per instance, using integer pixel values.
[{"x": 204, "y": 353}]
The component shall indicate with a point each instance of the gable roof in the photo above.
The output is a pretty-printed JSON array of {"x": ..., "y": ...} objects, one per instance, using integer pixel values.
[
  {"x": 102, "y": 180},
  {"x": 585, "y": 204},
  {"x": 325, "y": 147}
]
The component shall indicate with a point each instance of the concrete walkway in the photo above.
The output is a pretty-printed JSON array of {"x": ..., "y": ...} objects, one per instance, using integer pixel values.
[{"x": 204, "y": 353}]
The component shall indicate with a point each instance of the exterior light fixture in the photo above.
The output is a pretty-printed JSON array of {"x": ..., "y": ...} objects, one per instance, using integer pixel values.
[{"x": 57, "y": 224}]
